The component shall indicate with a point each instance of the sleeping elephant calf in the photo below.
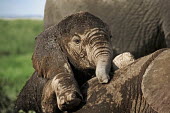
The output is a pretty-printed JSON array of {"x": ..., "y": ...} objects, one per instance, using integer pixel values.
[{"x": 141, "y": 87}]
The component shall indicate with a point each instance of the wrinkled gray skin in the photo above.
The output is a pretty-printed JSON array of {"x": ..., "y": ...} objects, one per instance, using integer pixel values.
[
  {"x": 138, "y": 26},
  {"x": 80, "y": 41},
  {"x": 142, "y": 87}
]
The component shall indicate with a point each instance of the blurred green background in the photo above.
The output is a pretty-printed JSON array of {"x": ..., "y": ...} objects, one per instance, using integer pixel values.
[{"x": 16, "y": 49}]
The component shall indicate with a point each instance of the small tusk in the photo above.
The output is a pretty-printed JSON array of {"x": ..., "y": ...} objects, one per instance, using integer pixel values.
[{"x": 123, "y": 60}]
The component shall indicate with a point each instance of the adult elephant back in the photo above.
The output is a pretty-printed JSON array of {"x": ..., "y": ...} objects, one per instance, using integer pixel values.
[{"x": 137, "y": 26}]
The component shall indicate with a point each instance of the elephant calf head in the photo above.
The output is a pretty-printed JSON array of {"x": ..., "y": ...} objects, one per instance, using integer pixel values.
[{"x": 86, "y": 41}]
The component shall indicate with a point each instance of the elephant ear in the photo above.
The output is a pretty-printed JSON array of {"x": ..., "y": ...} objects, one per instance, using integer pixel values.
[
  {"x": 156, "y": 83},
  {"x": 48, "y": 58}
]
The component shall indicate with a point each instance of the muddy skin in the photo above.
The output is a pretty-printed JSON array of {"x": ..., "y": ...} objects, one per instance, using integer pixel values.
[
  {"x": 80, "y": 41},
  {"x": 127, "y": 91}
]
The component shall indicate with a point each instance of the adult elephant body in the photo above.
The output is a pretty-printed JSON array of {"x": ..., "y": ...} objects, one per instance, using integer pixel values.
[
  {"x": 138, "y": 26},
  {"x": 141, "y": 87}
]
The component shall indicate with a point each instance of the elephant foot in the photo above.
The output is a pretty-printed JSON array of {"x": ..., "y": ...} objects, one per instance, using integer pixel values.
[
  {"x": 66, "y": 99},
  {"x": 69, "y": 100},
  {"x": 48, "y": 100}
]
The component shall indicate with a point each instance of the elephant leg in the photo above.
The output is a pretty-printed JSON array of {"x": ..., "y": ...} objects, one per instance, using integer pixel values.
[
  {"x": 48, "y": 102},
  {"x": 65, "y": 87}
]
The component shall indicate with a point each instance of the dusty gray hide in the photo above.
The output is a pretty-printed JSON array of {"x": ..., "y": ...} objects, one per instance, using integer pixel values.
[
  {"x": 141, "y": 87},
  {"x": 138, "y": 26}
]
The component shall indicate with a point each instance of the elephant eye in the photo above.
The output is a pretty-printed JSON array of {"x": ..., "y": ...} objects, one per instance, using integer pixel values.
[{"x": 76, "y": 39}]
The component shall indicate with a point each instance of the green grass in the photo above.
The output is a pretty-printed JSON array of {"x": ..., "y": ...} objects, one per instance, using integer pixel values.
[
  {"x": 17, "y": 36},
  {"x": 16, "y": 49},
  {"x": 15, "y": 69}
]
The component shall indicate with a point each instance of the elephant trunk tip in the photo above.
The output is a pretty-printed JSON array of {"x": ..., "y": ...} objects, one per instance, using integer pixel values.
[{"x": 103, "y": 66}]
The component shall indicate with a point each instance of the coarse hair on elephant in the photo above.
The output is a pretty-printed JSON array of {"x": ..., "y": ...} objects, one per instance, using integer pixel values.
[
  {"x": 138, "y": 26},
  {"x": 81, "y": 41}
]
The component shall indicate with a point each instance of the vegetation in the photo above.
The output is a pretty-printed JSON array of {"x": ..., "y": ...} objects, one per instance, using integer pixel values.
[{"x": 16, "y": 48}]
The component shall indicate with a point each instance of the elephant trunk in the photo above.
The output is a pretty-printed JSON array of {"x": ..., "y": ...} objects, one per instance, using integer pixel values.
[
  {"x": 101, "y": 55},
  {"x": 103, "y": 65}
]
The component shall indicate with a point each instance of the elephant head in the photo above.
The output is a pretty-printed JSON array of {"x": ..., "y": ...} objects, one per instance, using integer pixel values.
[{"x": 86, "y": 41}]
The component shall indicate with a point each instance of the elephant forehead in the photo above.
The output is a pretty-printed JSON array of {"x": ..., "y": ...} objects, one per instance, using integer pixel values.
[
  {"x": 85, "y": 31},
  {"x": 79, "y": 22},
  {"x": 80, "y": 30}
]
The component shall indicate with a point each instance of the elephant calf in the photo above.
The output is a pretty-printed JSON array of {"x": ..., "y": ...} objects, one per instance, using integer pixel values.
[{"x": 80, "y": 41}]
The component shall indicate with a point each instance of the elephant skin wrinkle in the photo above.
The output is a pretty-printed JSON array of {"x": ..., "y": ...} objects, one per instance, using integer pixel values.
[
  {"x": 156, "y": 85},
  {"x": 137, "y": 26},
  {"x": 123, "y": 94}
]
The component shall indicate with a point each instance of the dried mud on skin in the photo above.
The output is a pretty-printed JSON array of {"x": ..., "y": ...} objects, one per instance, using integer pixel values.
[{"x": 123, "y": 93}]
